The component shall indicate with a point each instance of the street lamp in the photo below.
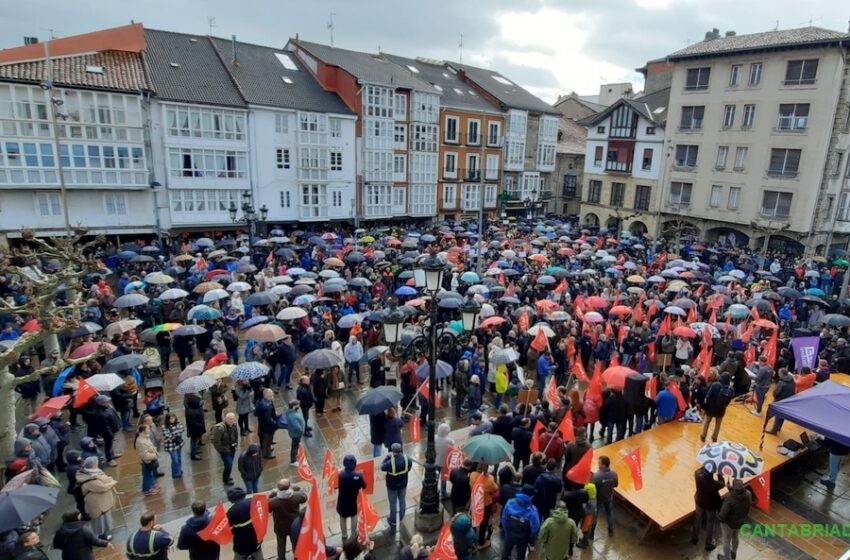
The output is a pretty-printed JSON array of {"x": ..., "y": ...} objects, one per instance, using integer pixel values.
[
  {"x": 530, "y": 204},
  {"x": 249, "y": 214},
  {"x": 434, "y": 335}
]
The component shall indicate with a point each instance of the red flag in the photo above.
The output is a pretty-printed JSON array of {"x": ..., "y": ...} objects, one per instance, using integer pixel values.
[
  {"x": 311, "y": 539},
  {"x": 260, "y": 515},
  {"x": 728, "y": 325},
  {"x": 699, "y": 291},
  {"x": 562, "y": 285},
  {"x": 664, "y": 329},
  {"x": 637, "y": 312},
  {"x": 304, "y": 470},
  {"x": 594, "y": 391},
  {"x": 570, "y": 344},
  {"x": 578, "y": 369},
  {"x": 425, "y": 388},
  {"x": 653, "y": 387},
  {"x": 330, "y": 473},
  {"x": 84, "y": 394},
  {"x": 218, "y": 529},
  {"x": 650, "y": 353},
  {"x": 454, "y": 460},
  {"x": 540, "y": 341},
  {"x": 580, "y": 472},
  {"x": 368, "y": 469},
  {"x": 705, "y": 367},
  {"x": 201, "y": 264},
  {"x": 523, "y": 321},
  {"x": 621, "y": 334},
  {"x": 713, "y": 319},
  {"x": 632, "y": 459},
  {"x": 367, "y": 517},
  {"x": 673, "y": 387},
  {"x": 761, "y": 489},
  {"x": 445, "y": 547},
  {"x": 692, "y": 315},
  {"x": 707, "y": 340},
  {"x": 754, "y": 313},
  {"x": 566, "y": 427},
  {"x": 653, "y": 308},
  {"x": 476, "y": 503},
  {"x": 552, "y": 393},
  {"x": 535, "y": 437},
  {"x": 415, "y": 429},
  {"x": 609, "y": 330},
  {"x": 615, "y": 361},
  {"x": 770, "y": 349}
]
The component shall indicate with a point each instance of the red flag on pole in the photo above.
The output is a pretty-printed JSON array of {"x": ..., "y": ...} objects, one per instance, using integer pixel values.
[
  {"x": 707, "y": 340},
  {"x": 415, "y": 429},
  {"x": 368, "y": 469},
  {"x": 594, "y": 391},
  {"x": 770, "y": 348},
  {"x": 713, "y": 319},
  {"x": 570, "y": 344},
  {"x": 692, "y": 315},
  {"x": 653, "y": 308},
  {"x": 218, "y": 529},
  {"x": 580, "y": 472},
  {"x": 673, "y": 387},
  {"x": 609, "y": 330},
  {"x": 750, "y": 354},
  {"x": 562, "y": 285},
  {"x": 84, "y": 394},
  {"x": 260, "y": 515},
  {"x": 650, "y": 353},
  {"x": 540, "y": 341},
  {"x": 330, "y": 473},
  {"x": 523, "y": 322},
  {"x": 621, "y": 333},
  {"x": 304, "y": 470},
  {"x": 632, "y": 459},
  {"x": 566, "y": 427},
  {"x": 664, "y": 329},
  {"x": 761, "y": 489},
  {"x": 367, "y": 517},
  {"x": 454, "y": 460},
  {"x": 653, "y": 387},
  {"x": 615, "y": 361},
  {"x": 578, "y": 370},
  {"x": 311, "y": 539},
  {"x": 705, "y": 367},
  {"x": 637, "y": 313},
  {"x": 552, "y": 393},
  {"x": 535, "y": 437},
  {"x": 476, "y": 503},
  {"x": 699, "y": 291},
  {"x": 445, "y": 547}
]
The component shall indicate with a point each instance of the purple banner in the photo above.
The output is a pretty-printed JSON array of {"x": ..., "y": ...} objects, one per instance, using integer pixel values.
[{"x": 805, "y": 351}]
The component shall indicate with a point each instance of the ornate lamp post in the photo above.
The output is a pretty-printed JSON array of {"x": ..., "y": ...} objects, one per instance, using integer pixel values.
[
  {"x": 435, "y": 335},
  {"x": 249, "y": 214}
]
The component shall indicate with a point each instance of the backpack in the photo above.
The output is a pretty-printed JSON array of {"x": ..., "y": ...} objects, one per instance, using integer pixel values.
[{"x": 725, "y": 396}]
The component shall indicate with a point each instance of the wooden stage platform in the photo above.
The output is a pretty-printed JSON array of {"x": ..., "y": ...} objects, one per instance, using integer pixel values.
[{"x": 668, "y": 456}]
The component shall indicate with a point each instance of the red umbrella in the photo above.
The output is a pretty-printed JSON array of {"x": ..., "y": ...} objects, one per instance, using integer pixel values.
[
  {"x": 84, "y": 350},
  {"x": 31, "y": 326},
  {"x": 764, "y": 323},
  {"x": 492, "y": 322},
  {"x": 615, "y": 377},
  {"x": 686, "y": 332},
  {"x": 51, "y": 406},
  {"x": 597, "y": 302},
  {"x": 566, "y": 252},
  {"x": 620, "y": 310},
  {"x": 216, "y": 272},
  {"x": 216, "y": 360}
]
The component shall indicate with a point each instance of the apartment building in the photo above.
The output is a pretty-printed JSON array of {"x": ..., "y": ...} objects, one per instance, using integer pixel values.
[
  {"x": 569, "y": 167},
  {"x": 396, "y": 175},
  {"x": 471, "y": 141},
  {"x": 72, "y": 137},
  {"x": 531, "y": 137},
  {"x": 622, "y": 165},
  {"x": 758, "y": 139}
]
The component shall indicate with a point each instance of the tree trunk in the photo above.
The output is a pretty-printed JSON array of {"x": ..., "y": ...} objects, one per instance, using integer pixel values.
[{"x": 7, "y": 413}]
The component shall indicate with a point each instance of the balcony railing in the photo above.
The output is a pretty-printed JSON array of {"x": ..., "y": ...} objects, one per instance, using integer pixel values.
[
  {"x": 782, "y": 173},
  {"x": 618, "y": 166},
  {"x": 474, "y": 140}
]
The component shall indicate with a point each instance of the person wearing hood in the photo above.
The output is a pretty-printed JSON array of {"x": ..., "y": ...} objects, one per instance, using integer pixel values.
[
  {"x": 75, "y": 539},
  {"x": 88, "y": 448},
  {"x": 245, "y": 543},
  {"x": 50, "y": 436},
  {"x": 188, "y": 539},
  {"x": 285, "y": 505},
  {"x": 23, "y": 459},
  {"x": 28, "y": 390},
  {"x": 195, "y": 425},
  {"x": 97, "y": 490},
  {"x": 351, "y": 482},
  {"x": 520, "y": 524},
  {"x": 63, "y": 435},
  {"x": 73, "y": 464},
  {"x": 40, "y": 446},
  {"x": 733, "y": 513},
  {"x": 463, "y": 536},
  {"x": 251, "y": 467},
  {"x": 104, "y": 421},
  {"x": 785, "y": 387},
  {"x": 720, "y": 393},
  {"x": 473, "y": 396},
  {"x": 442, "y": 441},
  {"x": 29, "y": 547},
  {"x": 547, "y": 488},
  {"x": 558, "y": 534}
]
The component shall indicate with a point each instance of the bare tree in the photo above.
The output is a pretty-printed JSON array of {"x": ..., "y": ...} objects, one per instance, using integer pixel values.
[{"x": 51, "y": 266}]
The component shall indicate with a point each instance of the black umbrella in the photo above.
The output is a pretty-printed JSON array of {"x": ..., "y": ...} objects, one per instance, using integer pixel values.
[
  {"x": 285, "y": 253},
  {"x": 836, "y": 320},
  {"x": 87, "y": 327},
  {"x": 815, "y": 300},
  {"x": 189, "y": 330},
  {"x": 354, "y": 257},
  {"x": 321, "y": 359},
  {"x": 22, "y": 505},
  {"x": 378, "y": 400},
  {"x": 261, "y": 298},
  {"x": 125, "y": 362}
]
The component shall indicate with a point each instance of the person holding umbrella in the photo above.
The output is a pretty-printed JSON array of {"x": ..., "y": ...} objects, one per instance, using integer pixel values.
[{"x": 29, "y": 547}]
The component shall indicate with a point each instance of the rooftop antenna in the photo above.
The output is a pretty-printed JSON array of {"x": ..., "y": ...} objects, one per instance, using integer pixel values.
[
  {"x": 331, "y": 26},
  {"x": 776, "y": 28},
  {"x": 211, "y": 23},
  {"x": 461, "y": 48}
]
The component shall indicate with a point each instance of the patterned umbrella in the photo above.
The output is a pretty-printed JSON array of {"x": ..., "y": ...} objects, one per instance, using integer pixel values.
[
  {"x": 203, "y": 313},
  {"x": 246, "y": 371},
  {"x": 195, "y": 384},
  {"x": 730, "y": 459}
]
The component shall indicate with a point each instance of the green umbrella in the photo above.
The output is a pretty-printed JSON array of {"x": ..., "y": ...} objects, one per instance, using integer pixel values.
[
  {"x": 841, "y": 262},
  {"x": 488, "y": 448}
]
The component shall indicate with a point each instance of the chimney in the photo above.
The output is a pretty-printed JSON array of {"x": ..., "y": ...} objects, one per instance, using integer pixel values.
[
  {"x": 30, "y": 40},
  {"x": 235, "y": 60},
  {"x": 730, "y": 33},
  {"x": 711, "y": 35}
]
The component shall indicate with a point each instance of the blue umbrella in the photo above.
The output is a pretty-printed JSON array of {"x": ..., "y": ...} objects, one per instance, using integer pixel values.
[
  {"x": 133, "y": 286},
  {"x": 444, "y": 370},
  {"x": 57, "y": 385},
  {"x": 253, "y": 321},
  {"x": 203, "y": 313},
  {"x": 815, "y": 292},
  {"x": 246, "y": 371},
  {"x": 126, "y": 255},
  {"x": 470, "y": 277},
  {"x": 405, "y": 291}
]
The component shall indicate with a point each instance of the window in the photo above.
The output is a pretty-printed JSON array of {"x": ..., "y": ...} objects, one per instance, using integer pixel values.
[
  {"x": 336, "y": 199},
  {"x": 449, "y": 195},
  {"x": 423, "y": 200},
  {"x": 312, "y": 128},
  {"x": 545, "y": 155},
  {"x": 379, "y": 134},
  {"x": 494, "y": 132},
  {"x": 313, "y": 201},
  {"x": 473, "y": 169},
  {"x": 281, "y": 123},
  {"x": 471, "y": 196},
  {"x": 378, "y": 200},
  {"x": 489, "y": 196},
  {"x": 749, "y": 116},
  {"x": 741, "y": 158},
  {"x": 336, "y": 127},
  {"x": 196, "y": 122},
  {"x": 548, "y": 129},
  {"x": 775, "y": 204},
  {"x": 399, "y": 199},
  {"x": 452, "y": 126},
  {"x": 728, "y": 116},
  {"x": 285, "y": 199},
  {"x": 722, "y": 154},
  {"x": 836, "y": 163},
  {"x": 597, "y": 156},
  {"x": 686, "y": 155},
  {"x": 423, "y": 168},
  {"x": 313, "y": 164},
  {"x": 847, "y": 171},
  {"x": 282, "y": 158},
  {"x": 843, "y": 208},
  {"x": 48, "y": 204},
  {"x": 424, "y": 138},
  {"x": 642, "y": 194},
  {"x": 801, "y": 72},
  {"x": 697, "y": 79},
  {"x": 618, "y": 193},
  {"x": 194, "y": 162},
  {"x": 647, "y": 159},
  {"x": 755, "y": 74},
  {"x": 426, "y": 107},
  {"x": 595, "y": 191},
  {"x": 473, "y": 135},
  {"x": 116, "y": 204},
  {"x": 600, "y": 129},
  {"x": 377, "y": 101},
  {"x": 680, "y": 193},
  {"x": 784, "y": 162},
  {"x": 399, "y": 168},
  {"x": 400, "y": 137},
  {"x": 716, "y": 195},
  {"x": 492, "y": 169},
  {"x": 400, "y": 107},
  {"x": 734, "y": 200},
  {"x": 450, "y": 164},
  {"x": 692, "y": 117},
  {"x": 735, "y": 75},
  {"x": 336, "y": 161},
  {"x": 570, "y": 185},
  {"x": 793, "y": 116},
  {"x": 650, "y": 130}
]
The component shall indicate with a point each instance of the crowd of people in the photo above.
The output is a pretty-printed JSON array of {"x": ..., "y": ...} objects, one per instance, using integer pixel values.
[{"x": 693, "y": 331}]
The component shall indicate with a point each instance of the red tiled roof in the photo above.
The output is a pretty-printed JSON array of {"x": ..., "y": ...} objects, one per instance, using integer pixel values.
[
  {"x": 121, "y": 71},
  {"x": 130, "y": 38}
]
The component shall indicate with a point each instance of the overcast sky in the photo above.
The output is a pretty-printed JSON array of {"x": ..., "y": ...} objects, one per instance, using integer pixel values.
[{"x": 549, "y": 46}]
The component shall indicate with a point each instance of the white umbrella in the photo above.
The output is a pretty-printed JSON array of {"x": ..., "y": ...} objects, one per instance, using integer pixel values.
[
  {"x": 173, "y": 293},
  {"x": 239, "y": 287},
  {"x": 105, "y": 382},
  {"x": 215, "y": 295},
  {"x": 158, "y": 278},
  {"x": 290, "y": 313},
  {"x": 546, "y": 330}
]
